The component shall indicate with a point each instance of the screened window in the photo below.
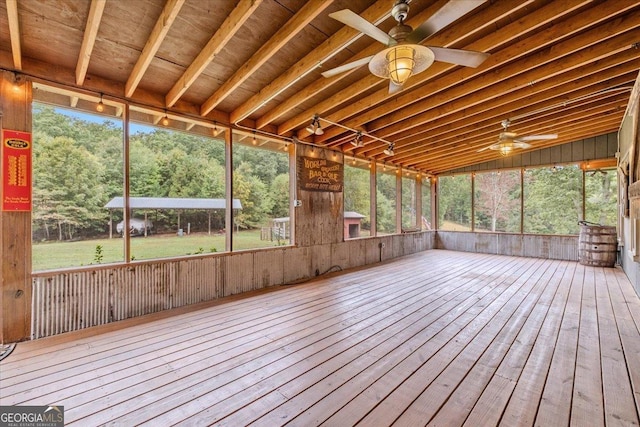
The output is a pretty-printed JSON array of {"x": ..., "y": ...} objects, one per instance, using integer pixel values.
[
  {"x": 177, "y": 181},
  {"x": 553, "y": 200},
  {"x": 601, "y": 196},
  {"x": 357, "y": 199},
  {"x": 261, "y": 186},
  {"x": 426, "y": 204},
  {"x": 77, "y": 169},
  {"x": 408, "y": 202},
  {"x": 386, "y": 200},
  {"x": 497, "y": 201},
  {"x": 454, "y": 203}
]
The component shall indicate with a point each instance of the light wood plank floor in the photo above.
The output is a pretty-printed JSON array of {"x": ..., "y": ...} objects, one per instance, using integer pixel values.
[{"x": 438, "y": 338}]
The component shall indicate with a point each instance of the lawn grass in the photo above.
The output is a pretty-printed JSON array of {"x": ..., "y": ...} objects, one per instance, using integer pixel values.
[
  {"x": 52, "y": 255},
  {"x": 454, "y": 226}
]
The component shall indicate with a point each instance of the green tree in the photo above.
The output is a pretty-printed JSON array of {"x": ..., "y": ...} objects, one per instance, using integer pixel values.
[
  {"x": 386, "y": 202},
  {"x": 279, "y": 193},
  {"x": 144, "y": 171},
  {"x": 553, "y": 200},
  {"x": 252, "y": 193},
  {"x": 68, "y": 193},
  {"x": 357, "y": 189},
  {"x": 454, "y": 200},
  {"x": 601, "y": 196}
]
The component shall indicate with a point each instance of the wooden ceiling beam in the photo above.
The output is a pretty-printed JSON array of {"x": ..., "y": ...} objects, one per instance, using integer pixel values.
[
  {"x": 458, "y": 162},
  {"x": 503, "y": 91},
  {"x": 565, "y": 131},
  {"x": 14, "y": 33},
  {"x": 57, "y": 76},
  {"x": 427, "y": 149},
  {"x": 313, "y": 60},
  {"x": 489, "y": 130},
  {"x": 454, "y": 163},
  {"x": 89, "y": 39},
  {"x": 305, "y": 15},
  {"x": 157, "y": 36},
  {"x": 571, "y": 119},
  {"x": 598, "y": 76},
  {"x": 322, "y": 83},
  {"x": 220, "y": 39},
  {"x": 476, "y": 139},
  {"x": 604, "y": 40},
  {"x": 354, "y": 115},
  {"x": 447, "y": 38}
]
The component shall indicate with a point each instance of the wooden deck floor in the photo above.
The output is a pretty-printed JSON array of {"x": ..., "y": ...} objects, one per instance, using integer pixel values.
[{"x": 438, "y": 338}]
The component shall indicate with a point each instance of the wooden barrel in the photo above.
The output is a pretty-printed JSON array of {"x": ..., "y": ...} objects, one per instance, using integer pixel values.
[{"x": 597, "y": 245}]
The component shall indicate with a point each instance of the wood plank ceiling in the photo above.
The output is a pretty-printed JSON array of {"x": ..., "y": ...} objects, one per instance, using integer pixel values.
[{"x": 562, "y": 67}]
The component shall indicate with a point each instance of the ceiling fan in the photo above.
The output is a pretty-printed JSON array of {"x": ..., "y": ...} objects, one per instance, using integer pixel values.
[
  {"x": 509, "y": 141},
  {"x": 404, "y": 56}
]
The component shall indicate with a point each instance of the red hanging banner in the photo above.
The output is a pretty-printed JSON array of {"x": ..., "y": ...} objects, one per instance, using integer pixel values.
[{"x": 16, "y": 170}]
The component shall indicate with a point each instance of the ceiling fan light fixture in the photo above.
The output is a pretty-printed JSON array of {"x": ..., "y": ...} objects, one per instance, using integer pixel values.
[
  {"x": 505, "y": 148},
  {"x": 401, "y": 61}
]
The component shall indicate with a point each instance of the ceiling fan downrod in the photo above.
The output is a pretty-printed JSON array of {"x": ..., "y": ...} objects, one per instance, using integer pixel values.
[{"x": 400, "y": 10}]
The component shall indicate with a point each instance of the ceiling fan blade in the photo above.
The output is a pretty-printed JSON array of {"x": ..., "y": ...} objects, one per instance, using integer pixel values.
[
  {"x": 468, "y": 58},
  {"x": 536, "y": 137},
  {"x": 394, "y": 88},
  {"x": 346, "y": 67},
  {"x": 447, "y": 14},
  {"x": 485, "y": 148},
  {"x": 522, "y": 145},
  {"x": 354, "y": 20}
]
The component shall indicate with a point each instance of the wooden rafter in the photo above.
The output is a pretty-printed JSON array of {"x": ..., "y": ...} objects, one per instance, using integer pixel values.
[
  {"x": 592, "y": 78},
  {"x": 602, "y": 41},
  {"x": 301, "y": 19},
  {"x": 158, "y": 34},
  {"x": 89, "y": 39},
  {"x": 311, "y": 61},
  {"x": 452, "y": 79},
  {"x": 543, "y": 53},
  {"x": 14, "y": 33},
  {"x": 466, "y": 157},
  {"x": 446, "y": 37},
  {"x": 504, "y": 92},
  {"x": 562, "y": 123},
  {"x": 227, "y": 30}
]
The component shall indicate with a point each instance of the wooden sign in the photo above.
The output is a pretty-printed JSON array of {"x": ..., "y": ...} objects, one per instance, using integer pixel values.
[
  {"x": 16, "y": 170},
  {"x": 320, "y": 174}
]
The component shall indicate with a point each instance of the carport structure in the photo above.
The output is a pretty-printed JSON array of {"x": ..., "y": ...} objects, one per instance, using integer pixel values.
[{"x": 174, "y": 203}]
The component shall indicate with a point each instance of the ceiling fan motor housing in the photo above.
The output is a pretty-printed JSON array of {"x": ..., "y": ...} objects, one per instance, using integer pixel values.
[{"x": 400, "y": 32}]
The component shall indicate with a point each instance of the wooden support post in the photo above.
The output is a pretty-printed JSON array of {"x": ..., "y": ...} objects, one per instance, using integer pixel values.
[
  {"x": 228, "y": 183},
  {"x": 15, "y": 227},
  {"x": 418, "y": 206},
  {"x": 373, "y": 208},
  {"x": 293, "y": 193},
  {"x": 399, "y": 200},
  {"x": 435, "y": 221}
]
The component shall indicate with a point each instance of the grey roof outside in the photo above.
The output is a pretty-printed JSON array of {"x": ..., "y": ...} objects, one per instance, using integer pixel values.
[
  {"x": 352, "y": 215},
  {"x": 170, "y": 203},
  {"x": 347, "y": 215}
]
